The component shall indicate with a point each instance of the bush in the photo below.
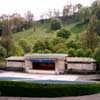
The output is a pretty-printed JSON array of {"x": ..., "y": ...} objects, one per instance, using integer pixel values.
[
  {"x": 59, "y": 48},
  {"x": 56, "y": 24},
  {"x": 26, "y": 89},
  {"x": 16, "y": 50},
  {"x": 3, "y": 52},
  {"x": 71, "y": 52},
  {"x": 88, "y": 53},
  {"x": 80, "y": 53},
  {"x": 42, "y": 45},
  {"x": 63, "y": 33},
  {"x": 72, "y": 44},
  {"x": 25, "y": 45},
  {"x": 96, "y": 55}
]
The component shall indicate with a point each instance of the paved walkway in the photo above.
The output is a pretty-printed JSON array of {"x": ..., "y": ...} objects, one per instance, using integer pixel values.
[
  {"x": 91, "y": 97},
  {"x": 39, "y": 76}
]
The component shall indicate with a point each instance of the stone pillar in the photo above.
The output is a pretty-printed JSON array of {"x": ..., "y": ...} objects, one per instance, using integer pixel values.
[
  {"x": 59, "y": 66},
  {"x": 28, "y": 65}
]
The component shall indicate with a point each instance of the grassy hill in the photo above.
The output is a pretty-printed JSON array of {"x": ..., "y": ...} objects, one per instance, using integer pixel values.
[{"x": 43, "y": 31}]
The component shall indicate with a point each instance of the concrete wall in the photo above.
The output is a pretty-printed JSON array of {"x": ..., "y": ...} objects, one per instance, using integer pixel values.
[
  {"x": 28, "y": 65},
  {"x": 59, "y": 63},
  {"x": 82, "y": 66},
  {"x": 15, "y": 64},
  {"x": 59, "y": 66}
]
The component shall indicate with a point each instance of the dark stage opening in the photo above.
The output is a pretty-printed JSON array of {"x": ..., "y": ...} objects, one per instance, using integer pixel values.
[{"x": 43, "y": 66}]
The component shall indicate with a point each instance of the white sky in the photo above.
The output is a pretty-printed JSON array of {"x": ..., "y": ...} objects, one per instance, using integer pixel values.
[{"x": 37, "y": 7}]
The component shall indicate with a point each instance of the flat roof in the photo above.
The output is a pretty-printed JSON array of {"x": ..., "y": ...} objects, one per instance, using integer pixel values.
[
  {"x": 80, "y": 59},
  {"x": 15, "y": 58},
  {"x": 36, "y": 54}
]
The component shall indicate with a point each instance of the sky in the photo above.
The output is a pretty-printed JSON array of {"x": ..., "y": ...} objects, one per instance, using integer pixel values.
[{"x": 37, "y": 7}]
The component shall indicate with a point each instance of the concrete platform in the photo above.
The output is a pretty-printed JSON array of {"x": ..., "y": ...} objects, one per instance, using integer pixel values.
[
  {"x": 41, "y": 72},
  {"x": 40, "y": 76}
]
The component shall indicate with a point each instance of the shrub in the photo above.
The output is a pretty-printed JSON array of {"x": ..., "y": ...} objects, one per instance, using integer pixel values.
[
  {"x": 63, "y": 33},
  {"x": 96, "y": 55},
  {"x": 3, "y": 52},
  {"x": 72, "y": 44},
  {"x": 63, "y": 51},
  {"x": 26, "y": 89},
  {"x": 56, "y": 24},
  {"x": 80, "y": 53},
  {"x": 71, "y": 52},
  {"x": 16, "y": 50},
  {"x": 88, "y": 53},
  {"x": 42, "y": 45},
  {"x": 25, "y": 45},
  {"x": 59, "y": 48}
]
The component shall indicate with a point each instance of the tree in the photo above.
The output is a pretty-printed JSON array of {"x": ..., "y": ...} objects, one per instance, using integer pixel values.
[
  {"x": 56, "y": 24},
  {"x": 63, "y": 33},
  {"x": 79, "y": 6},
  {"x": 6, "y": 38},
  {"x": 93, "y": 20},
  {"x": 66, "y": 10},
  {"x": 96, "y": 3},
  {"x": 7, "y": 43},
  {"x": 56, "y": 13},
  {"x": 98, "y": 13},
  {"x": 17, "y": 23},
  {"x": 89, "y": 39},
  {"x": 29, "y": 18},
  {"x": 85, "y": 14},
  {"x": 49, "y": 14},
  {"x": 97, "y": 28}
]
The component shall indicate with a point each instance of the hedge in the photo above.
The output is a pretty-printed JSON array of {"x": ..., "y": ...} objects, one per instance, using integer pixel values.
[{"x": 26, "y": 89}]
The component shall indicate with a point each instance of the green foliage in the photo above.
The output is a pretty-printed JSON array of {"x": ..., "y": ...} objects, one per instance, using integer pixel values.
[
  {"x": 71, "y": 52},
  {"x": 89, "y": 39},
  {"x": 3, "y": 52},
  {"x": 63, "y": 33},
  {"x": 97, "y": 28},
  {"x": 16, "y": 50},
  {"x": 85, "y": 14},
  {"x": 25, "y": 46},
  {"x": 58, "y": 45},
  {"x": 79, "y": 27},
  {"x": 59, "y": 48},
  {"x": 41, "y": 46},
  {"x": 98, "y": 13},
  {"x": 26, "y": 89},
  {"x": 80, "y": 53},
  {"x": 7, "y": 43},
  {"x": 96, "y": 55},
  {"x": 88, "y": 53},
  {"x": 61, "y": 51},
  {"x": 73, "y": 44},
  {"x": 56, "y": 24}
]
